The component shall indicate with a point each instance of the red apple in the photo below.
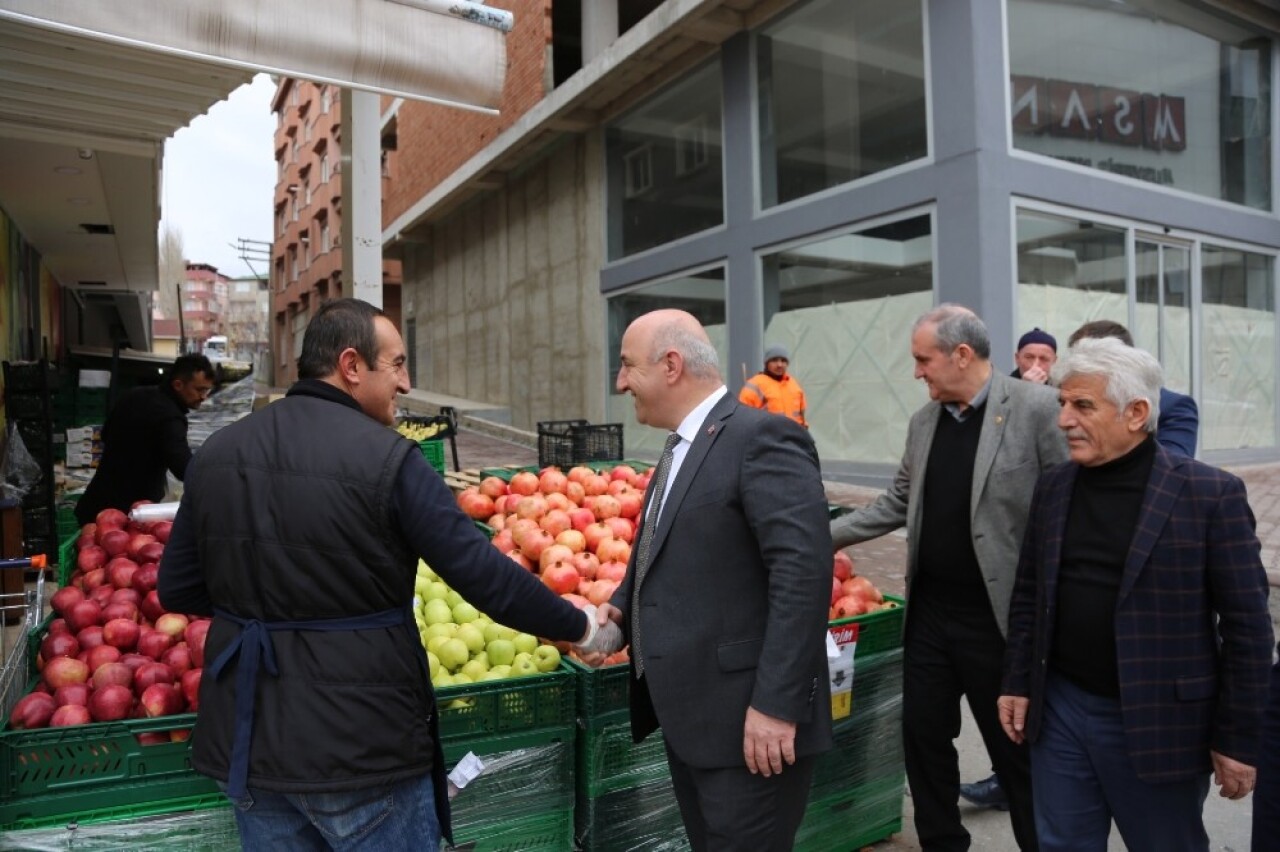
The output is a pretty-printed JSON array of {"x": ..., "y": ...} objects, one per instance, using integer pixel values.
[
  {"x": 172, "y": 623},
  {"x": 161, "y": 531},
  {"x": 70, "y": 714},
  {"x": 122, "y": 633},
  {"x": 111, "y": 703},
  {"x": 126, "y": 596},
  {"x": 109, "y": 519},
  {"x": 120, "y": 609},
  {"x": 151, "y": 673},
  {"x": 117, "y": 673},
  {"x": 59, "y": 625},
  {"x": 91, "y": 557},
  {"x": 115, "y": 542},
  {"x": 190, "y": 682},
  {"x": 72, "y": 693},
  {"x": 61, "y": 671},
  {"x": 151, "y": 608},
  {"x": 135, "y": 661},
  {"x": 150, "y": 738},
  {"x": 59, "y": 645},
  {"x": 90, "y": 637},
  {"x": 178, "y": 659},
  {"x": 151, "y": 552},
  {"x": 153, "y": 643},
  {"x": 144, "y": 579},
  {"x": 161, "y": 699},
  {"x": 100, "y": 655},
  {"x": 101, "y": 594},
  {"x": 32, "y": 711},
  {"x": 65, "y": 598},
  {"x": 83, "y": 614},
  {"x": 120, "y": 572},
  {"x": 92, "y": 579},
  {"x": 137, "y": 541},
  {"x": 195, "y": 635}
]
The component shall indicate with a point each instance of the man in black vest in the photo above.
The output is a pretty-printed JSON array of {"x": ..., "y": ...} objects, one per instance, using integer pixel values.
[
  {"x": 963, "y": 489},
  {"x": 300, "y": 530}
]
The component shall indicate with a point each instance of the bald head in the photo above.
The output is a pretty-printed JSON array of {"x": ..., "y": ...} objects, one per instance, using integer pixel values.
[{"x": 668, "y": 366}]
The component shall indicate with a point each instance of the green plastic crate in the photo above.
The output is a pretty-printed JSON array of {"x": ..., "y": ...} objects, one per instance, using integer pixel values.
[
  {"x": 878, "y": 631},
  {"x": 855, "y": 817},
  {"x": 642, "y": 817},
  {"x": 507, "y": 706},
  {"x": 505, "y": 473},
  {"x": 66, "y": 558},
  {"x": 868, "y": 742},
  {"x": 608, "y": 760},
  {"x": 128, "y": 815},
  {"x": 57, "y": 773},
  {"x": 433, "y": 450}
]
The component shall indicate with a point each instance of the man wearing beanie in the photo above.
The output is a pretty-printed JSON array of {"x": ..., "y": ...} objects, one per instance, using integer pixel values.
[
  {"x": 774, "y": 390},
  {"x": 1037, "y": 351}
]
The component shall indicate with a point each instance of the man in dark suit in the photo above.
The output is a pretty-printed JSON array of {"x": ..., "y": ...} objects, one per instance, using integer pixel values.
[
  {"x": 726, "y": 595},
  {"x": 1139, "y": 636}
]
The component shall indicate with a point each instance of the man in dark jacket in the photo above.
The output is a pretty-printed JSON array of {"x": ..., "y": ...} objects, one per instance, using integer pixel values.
[
  {"x": 300, "y": 530},
  {"x": 144, "y": 436}
]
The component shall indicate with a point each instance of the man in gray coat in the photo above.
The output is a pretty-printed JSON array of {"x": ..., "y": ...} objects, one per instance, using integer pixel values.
[{"x": 963, "y": 490}]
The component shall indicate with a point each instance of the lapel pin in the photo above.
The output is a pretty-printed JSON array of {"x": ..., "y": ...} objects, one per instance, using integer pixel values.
[
  {"x": 711, "y": 430},
  {"x": 999, "y": 419}
]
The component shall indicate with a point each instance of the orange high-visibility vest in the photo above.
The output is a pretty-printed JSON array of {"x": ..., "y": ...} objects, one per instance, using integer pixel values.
[{"x": 779, "y": 397}]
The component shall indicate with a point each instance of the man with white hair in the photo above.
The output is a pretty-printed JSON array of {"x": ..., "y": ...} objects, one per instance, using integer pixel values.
[{"x": 1139, "y": 637}]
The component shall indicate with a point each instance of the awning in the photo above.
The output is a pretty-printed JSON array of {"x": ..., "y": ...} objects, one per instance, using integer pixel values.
[{"x": 378, "y": 45}]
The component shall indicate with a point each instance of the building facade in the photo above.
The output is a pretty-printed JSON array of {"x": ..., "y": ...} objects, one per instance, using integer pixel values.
[
  {"x": 818, "y": 173},
  {"x": 306, "y": 251},
  {"x": 204, "y": 304},
  {"x": 247, "y": 319}
]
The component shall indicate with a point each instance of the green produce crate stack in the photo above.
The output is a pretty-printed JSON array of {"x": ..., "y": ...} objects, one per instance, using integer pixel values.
[
  {"x": 523, "y": 801},
  {"x": 203, "y": 822}
]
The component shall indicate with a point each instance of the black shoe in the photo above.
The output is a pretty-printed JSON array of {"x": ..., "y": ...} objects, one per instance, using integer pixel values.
[{"x": 986, "y": 793}]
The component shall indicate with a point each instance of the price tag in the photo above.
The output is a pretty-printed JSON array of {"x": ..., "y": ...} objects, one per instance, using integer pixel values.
[{"x": 844, "y": 638}]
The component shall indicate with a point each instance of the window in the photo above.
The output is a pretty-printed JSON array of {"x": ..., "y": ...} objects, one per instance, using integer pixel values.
[
  {"x": 840, "y": 305},
  {"x": 651, "y": 201},
  {"x": 1238, "y": 346},
  {"x": 842, "y": 94},
  {"x": 1159, "y": 92},
  {"x": 701, "y": 294},
  {"x": 326, "y": 99},
  {"x": 324, "y": 168},
  {"x": 1069, "y": 272},
  {"x": 324, "y": 235},
  {"x": 293, "y": 264},
  {"x": 299, "y": 324}
]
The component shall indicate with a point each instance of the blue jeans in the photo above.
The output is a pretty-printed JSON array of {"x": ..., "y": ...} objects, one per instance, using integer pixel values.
[
  {"x": 1082, "y": 779},
  {"x": 387, "y": 818}
]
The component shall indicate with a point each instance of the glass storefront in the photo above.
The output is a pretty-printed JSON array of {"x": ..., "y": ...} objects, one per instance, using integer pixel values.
[
  {"x": 701, "y": 294},
  {"x": 844, "y": 305},
  {"x": 1167, "y": 93},
  {"x": 1069, "y": 272},
  {"x": 665, "y": 179},
  {"x": 841, "y": 95}
]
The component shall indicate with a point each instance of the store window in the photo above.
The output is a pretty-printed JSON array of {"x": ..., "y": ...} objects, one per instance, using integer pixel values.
[
  {"x": 1168, "y": 93},
  {"x": 1070, "y": 272},
  {"x": 842, "y": 306},
  {"x": 664, "y": 174},
  {"x": 701, "y": 294},
  {"x": 1238, "y": 349},
  {"x": 1162, "y": 309},
  {"x": 842, "y": 94}
]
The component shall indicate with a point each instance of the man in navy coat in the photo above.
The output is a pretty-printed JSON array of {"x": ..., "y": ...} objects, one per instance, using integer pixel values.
[{"x": 1139, "y": 636}]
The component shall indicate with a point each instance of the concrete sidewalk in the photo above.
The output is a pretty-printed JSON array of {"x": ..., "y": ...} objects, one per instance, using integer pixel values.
[{"x": 884, "y": 562}]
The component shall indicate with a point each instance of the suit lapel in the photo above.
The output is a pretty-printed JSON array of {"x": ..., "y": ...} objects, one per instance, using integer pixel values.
[
  {"x": 923, "y": 443},
  {"x": 994, "y": 418},
  {"x": 1157, "y": 505}
]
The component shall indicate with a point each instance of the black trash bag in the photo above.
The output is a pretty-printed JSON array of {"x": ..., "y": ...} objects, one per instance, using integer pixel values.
[{"x": 19, "y": 471}]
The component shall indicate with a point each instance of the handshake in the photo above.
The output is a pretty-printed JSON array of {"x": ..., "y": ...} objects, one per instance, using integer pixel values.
[{"x": 601, "y": 640}]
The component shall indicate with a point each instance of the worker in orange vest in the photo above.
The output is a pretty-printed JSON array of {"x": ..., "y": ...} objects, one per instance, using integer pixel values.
[{"x": 774, "y": 390}]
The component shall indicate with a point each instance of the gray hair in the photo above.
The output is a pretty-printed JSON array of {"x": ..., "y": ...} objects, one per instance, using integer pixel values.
[
  {"x": 956, "y": 324},
  {"x": 700, "y": 358},
  {"x": 1131, "y": 373}
]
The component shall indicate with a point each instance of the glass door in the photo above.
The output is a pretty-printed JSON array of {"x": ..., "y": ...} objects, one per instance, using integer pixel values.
[{"x": 1162, "y": 309}]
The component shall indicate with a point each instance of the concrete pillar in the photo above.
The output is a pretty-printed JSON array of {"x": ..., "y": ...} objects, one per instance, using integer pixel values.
[
  {"x": 599, "y": 27},
  {"x": 361, "y": 197}
]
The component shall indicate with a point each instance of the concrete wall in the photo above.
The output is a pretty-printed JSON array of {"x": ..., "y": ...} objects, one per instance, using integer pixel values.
[{"x": 505, "y": 293}]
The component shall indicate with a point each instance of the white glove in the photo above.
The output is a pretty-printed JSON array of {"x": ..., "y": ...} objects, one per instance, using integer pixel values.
[{"x": 606, "y": 639}]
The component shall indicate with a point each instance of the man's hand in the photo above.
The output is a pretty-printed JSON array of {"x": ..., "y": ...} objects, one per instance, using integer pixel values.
[
  {"x": 1013, "y": 715},
  {"x": 767, "y": 743},
  {"x": 603, "y": 637},
  {"x": 1036, "y": 374},
  {"x": 1235, "y": 778}
]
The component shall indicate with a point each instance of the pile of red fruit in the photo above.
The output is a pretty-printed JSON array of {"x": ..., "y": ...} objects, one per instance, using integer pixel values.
[
  {"x": 112, "y": 652},
  {"x": 851, "y": 594}
]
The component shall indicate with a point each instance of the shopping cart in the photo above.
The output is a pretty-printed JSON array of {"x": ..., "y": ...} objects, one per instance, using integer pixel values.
[{"x": 14, "y": 640}]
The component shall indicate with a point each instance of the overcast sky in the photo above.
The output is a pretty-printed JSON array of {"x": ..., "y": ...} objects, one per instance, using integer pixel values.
[{"x": 219, "y": 177}]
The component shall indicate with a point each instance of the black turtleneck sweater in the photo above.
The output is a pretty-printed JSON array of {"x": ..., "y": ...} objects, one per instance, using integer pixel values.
[
  {"x": 946, "y": 565},
  {"x": 1100, "y": 525}
]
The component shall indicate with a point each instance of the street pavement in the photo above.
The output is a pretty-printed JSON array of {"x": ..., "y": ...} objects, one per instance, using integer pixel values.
[{"x": 884, "y": 562}]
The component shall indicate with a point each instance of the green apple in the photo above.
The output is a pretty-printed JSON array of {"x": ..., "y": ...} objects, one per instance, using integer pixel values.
[
  {"x": 493, "y": 630},
  {"x": 494, "y": 674},
  {"x": 501, "y": 652},
  {"x": 452, "y": 598},
  {"x": 481, "y": 657},
  {"x": 465, "y": 613},
  {"x": 433, "y": 662},
  {"x": 434, "y": 643},
  {"x": 475, "y": 669},
  {"x": 524, "y": 642},
  {"x": 436, "y": 591},
  {"x": 472, "y": 637},
  {"x": 424, "y": 570},
  {"x": 524, "y": 667},
  {"x": 453, "y": 654},
  {"x": 500, "y": 671},
  {"x": 420, "y": 586},
  {"x": 460, "y": 678},
  {"x": 546, "y": 658},
  {"x": 436, "y": 611},
  {"x": 442, "y": 679},
  {"x": 441, "y": 628}
]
